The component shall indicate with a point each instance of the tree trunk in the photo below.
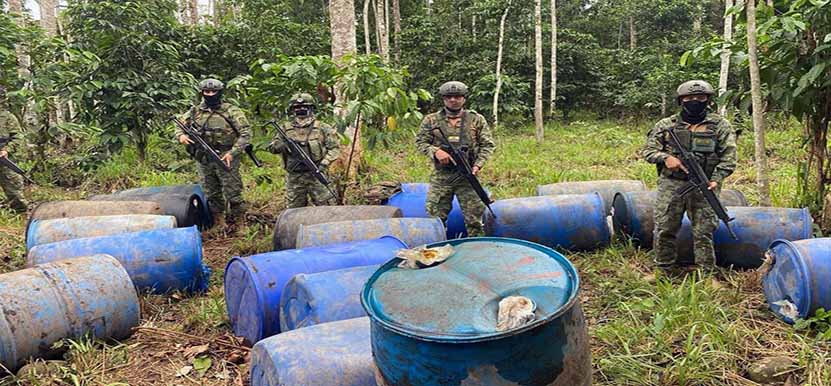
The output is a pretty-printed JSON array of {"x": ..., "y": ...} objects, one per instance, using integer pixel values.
[
  {"x": 538, "y": 122},
  {"x": 367, "y": 40},
  {"x": 663, "y": 104},
  {"x": 47, "y": 16},
  {"x": 725, "y": 56},
  {"x": 633, "y": 37},
  {"x": 697, "y": 18},
  {"x": 381, "y": 29},
  {"x": 758, "y": 108},
  {"x": 15, "y": 6},
  {"x": 342, "y": 21},
  {"x": 473, "y": 27},
  {"x": 552, "y": 103},
  {"x": 396, "y": 20},
  {"x": 499, "y": 65},
  {"x": 193, "y": 8}
]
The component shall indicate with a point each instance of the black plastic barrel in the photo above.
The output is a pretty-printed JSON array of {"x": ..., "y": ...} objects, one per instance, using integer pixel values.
[
  {"x": 173, "y": 189},
  {"x": 187, "y": 208},
  {"x": 289, "y": 221}
]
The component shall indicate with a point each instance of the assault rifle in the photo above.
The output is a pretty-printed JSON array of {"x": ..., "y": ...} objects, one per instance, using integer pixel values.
[
  {"x": 201, "y": 144},
  {"x": 298, "y": 151},
  {"x": 700, "y": 181},
  {"x": 463, "y": 166},
  {"x": 5, "y": 161}
]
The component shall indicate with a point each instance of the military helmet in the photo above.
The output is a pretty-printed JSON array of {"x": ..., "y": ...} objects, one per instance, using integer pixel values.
[
  {"x": 302, "y": 99},
  {"x": 695, "y": 87},
  {"x": 211, "y": 84},
  {"x": 453, "y": 88}
]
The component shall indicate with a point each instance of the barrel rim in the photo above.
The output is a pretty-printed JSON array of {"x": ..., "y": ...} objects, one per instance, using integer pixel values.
[
  {"x": 567, "y": 265},
  {"x": 802, "y": 271},
  {"x": 260, "y": 306}
]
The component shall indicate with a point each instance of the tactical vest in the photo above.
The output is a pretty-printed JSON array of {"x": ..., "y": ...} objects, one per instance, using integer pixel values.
[
  {"x": 312, "y": 141},
  {"x": 459, "y": 136},
  {"x": 219, "y": 131},
  {"x": 699, "y": 139}
]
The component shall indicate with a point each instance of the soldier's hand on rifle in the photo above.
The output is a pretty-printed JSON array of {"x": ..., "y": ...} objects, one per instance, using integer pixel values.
[
  {"x": 712, "y": 185},
  {"x": 673, "y": 163},
  {"x": 443, "y": 157},
  {"x": 475, "y": 170},
  {"x": 227, "y": 158},
  {"x": 185, "y": 140},
  {"x": 4, "y": 154}
]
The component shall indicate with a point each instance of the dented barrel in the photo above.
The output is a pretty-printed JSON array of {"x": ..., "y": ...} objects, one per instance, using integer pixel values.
[
  {"x": 254, "y": 284},
  {"x": 756, "y": 228},
  {"x": 436, "y": 326},
  {"x": 633, "y": 214},
  {"x": 798, "y": 280},
  {"x": 186, "y": 189},
  {"x": 412, "y": 200},
  {"x": 412, "y": 231},
  {"x": 60, "y": 229},
  {"x": 330, "y": 354},
  {"x": 65, "y": 299},
  {"x": 315, "y": 298},
  {"x": 71, "y": 209},
  {"x": 569, "y": 221},
  {"x": 161, "y": 260},
  {"x": 606, "y": 189},
  {"x": 289, "y": 221},
  {"x": 187, "y": 208}
]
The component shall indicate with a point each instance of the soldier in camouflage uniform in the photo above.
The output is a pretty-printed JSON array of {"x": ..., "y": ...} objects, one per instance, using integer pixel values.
[
  {"x": 225, "y": 128},
  {"x": 11, "y": 182},
  {"x": 467, "y": 131},
  {"x": 319, "y": 141},
  {"x": 711, "y": 139}
]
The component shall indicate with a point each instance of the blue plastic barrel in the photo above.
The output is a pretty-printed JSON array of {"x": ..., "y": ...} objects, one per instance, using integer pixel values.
[
  {"x": 323, "y": 297},
  {"x": 756, "y": 228},
  {"x": 69, "y": 298},
  {"x": 799, "y": 274},
  {"x": 571, "y": 221},
  {"x": 437, "y": 326},
  {"x": 254, "y": 284},
  {"x": 412, "y": 200},
  {"x": 54, "y": 230},
  {"x": 606, "y": 189},
  {"x": 160, "y": 260},
  {"x": 633, "y": 214},
  {"x": 330, "y": 354},
  {"x": 412, "y": 231}
]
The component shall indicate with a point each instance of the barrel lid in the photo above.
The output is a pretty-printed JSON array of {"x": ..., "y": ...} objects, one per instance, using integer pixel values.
[
  {"x": 457, "y": 300},
  {"x": 787, "y": 280},
  {"x": 244, "y": 301}
]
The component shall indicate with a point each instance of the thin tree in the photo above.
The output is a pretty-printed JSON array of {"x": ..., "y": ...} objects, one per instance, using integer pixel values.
[
  {"x": 367, "y": 40},
  {"x": 499, "y": 65},
  {"x": 381, "y": 30},
  {"x": 725, "y": 55},
  {"x": 396, "y": 20},
  {"x": 758, "y": 108},
  {"x": 48, "y": 18},
  {"x": 193, "y": 7},
  {"x": 552, "y": 103},
  {"x": 633, "y": 35},
  {"x": 538, "y": 119}
]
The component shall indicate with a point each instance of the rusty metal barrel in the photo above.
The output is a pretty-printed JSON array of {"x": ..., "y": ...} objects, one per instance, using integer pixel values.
[
  {"x": 187, "y": 208},
  {"x": 437, "y": 326},
  {"x": 633, "y": 214},
  {"x": 568, "y": 221},
  {"x": 65, "y": 299},
  {"x": 61, "y": 229},
  {"x": 412, "y": 231},
  {"x": 289, "y": 221},
  {"x": 606, "y": 189}
]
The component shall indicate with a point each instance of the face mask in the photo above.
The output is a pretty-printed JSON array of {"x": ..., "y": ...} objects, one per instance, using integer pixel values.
[
  {"x": 694, "y": 108},
  {"x": 302, "y": 112},
  {"x": 213, "y": 101}
]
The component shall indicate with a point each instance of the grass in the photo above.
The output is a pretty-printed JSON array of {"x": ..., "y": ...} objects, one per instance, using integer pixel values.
[{"x": 646, "y": 329}]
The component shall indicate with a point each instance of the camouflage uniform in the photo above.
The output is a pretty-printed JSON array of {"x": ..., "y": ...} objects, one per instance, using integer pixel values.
[
  {"x": 225, "y": 129},
  {"x": 11, "y": 182},
  {"x": 469, "y": 130},
  {"x": 669, "y": 210},
  {"x": 320, "y": 141}
]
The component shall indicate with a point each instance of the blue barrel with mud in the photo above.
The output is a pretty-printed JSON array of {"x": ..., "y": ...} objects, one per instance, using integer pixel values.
[
  {"x": 254, "y": 284},
  {"x": 756, "y": 228},
  {"x": 797, "y": 281},
  {"x": 323, "y": 297},
  {"x": 330, "y": 354},
  {"x": 437, "y": 326},
  {"x": 159, "y": 261},
  {"x": 61, "y": 229},
  {"x": 575, "y": 222},
  {"x": 412, "y": 200},
  {"x": 606, "y": 189},
  {"x": 174, "y": 189},
  {"x": 65, "y": 299},
  {"x": 412, "y": 231}
]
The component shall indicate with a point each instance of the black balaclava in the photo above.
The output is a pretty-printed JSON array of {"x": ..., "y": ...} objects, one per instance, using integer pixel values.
[
  {"x": 694, "y": 111},
  {"x": 213, "y": 101}
]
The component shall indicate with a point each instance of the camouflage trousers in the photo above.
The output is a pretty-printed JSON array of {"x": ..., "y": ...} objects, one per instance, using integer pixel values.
[
  {"x": 223, "y": 188},
  {"x": 669, "y": 212},
  {"x": 301, "y": 186},
  {"x": 12, "y": 184},
  {"x": 444, "y": 184}
]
